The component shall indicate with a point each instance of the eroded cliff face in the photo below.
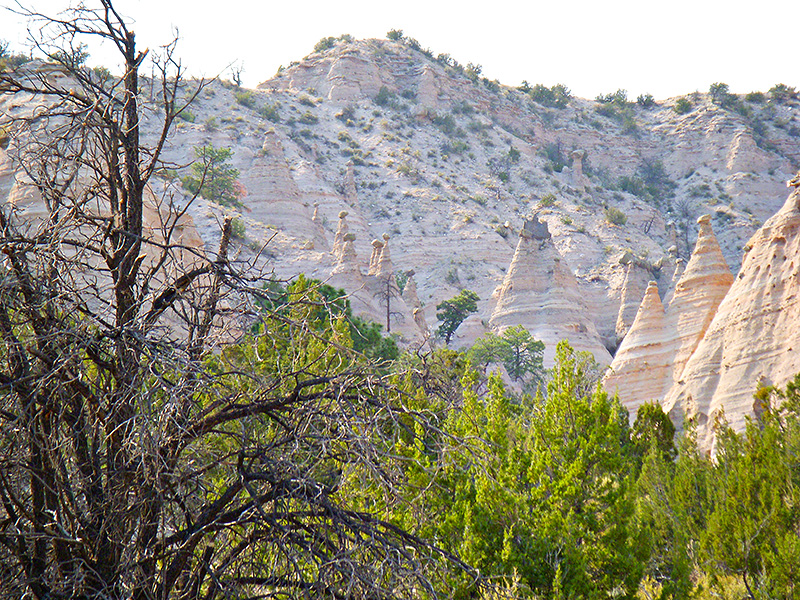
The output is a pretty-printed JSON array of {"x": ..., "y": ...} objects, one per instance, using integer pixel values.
[
  {"x": 698, "y": 293},
  {"x": 449, "y": 165},
  {"x": 751, "y": 341},
  {"x": 654, "y": 353},
  {"x": 721, "y": 339},
  {"x": 642, "y": 367},
  {"x": 540, "y": 293}
]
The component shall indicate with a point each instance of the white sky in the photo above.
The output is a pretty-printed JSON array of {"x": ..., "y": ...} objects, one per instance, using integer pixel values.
[{"x": 592, "y": 46}]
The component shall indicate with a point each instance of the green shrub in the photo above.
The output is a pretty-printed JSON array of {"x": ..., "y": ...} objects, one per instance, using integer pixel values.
[
  {"x": 186, "y": 115},
  {"x": 554, "y": 155},
  {"x": 270, "y": 112},
  {"x": 384, "y": 97},
  {"x": 308, "y": 118},
  {"x": 396, "y": 35},
  {"x": 682, "y": 106},
  {"x": 455, "y": 147},
  {"x": 348, "y": 113},
  {"x": 246, "y": 98},
  {"x": 782, "y": 94},
  {"x": 755, "y": 97},
  {"x": 212, "y": 177},
  {"x": 615, "y": 216},
  {"x": 238, "y": 229},
  {"x": 306, "y": 101},
  {"x": 547, "y": 200},
  {"x": 446, "y": 123},
  {"x": 324, "y": 44},
  {"x": 646, "y": 100},
  {"x": 556, "y": 96},
  {"x": 620, "y": 98}
]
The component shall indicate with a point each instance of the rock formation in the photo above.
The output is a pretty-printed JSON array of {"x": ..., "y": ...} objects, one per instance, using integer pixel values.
[
  {"x": 350, "y": 189},
  {"x": 347, "y": 261},
  {"x": 654, "y": 354},
  {"x": 341, "y": 230},
  {"x": 642, "y": 365},
  {"x": 698, "y": 293},
  {"x": 279, "y": 201},
  {"x": 377, "y": 246},
  {"x": 410, "y": 291},
  {"x": 577, "y": 169},
  {"x": 636, "y": 277},
  {"x": 384, "y": 267},
  {"x": 751, "y": 340},
  {"x": 540, "y": 293}
]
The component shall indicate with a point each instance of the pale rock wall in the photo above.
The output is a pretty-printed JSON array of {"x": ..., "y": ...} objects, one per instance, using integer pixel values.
[
  {"x": 636, "y": 280},
  {"x": 540, "y": 293},
  {"x": 751, "y": 340},
  {"x": 642, "y": 365},
  {"x": 273, "y": 196},
  {"x": 698, "y": 293}
]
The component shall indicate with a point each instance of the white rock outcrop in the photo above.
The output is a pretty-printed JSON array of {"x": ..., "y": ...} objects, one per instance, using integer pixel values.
[
  {"x": 540, "y": 293},
  {"x": 752, "y": 338}
]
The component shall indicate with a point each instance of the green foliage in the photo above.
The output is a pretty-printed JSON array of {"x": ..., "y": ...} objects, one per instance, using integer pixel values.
[
  {"x": 646, "y": 101},
  {"x": 619, "y": 98},
  {"x": 213, "y": 178},
  {"x": 473, "y": 71},
  {"x": 73, "y": 57},
  {"x": 515, "y": 349},
  {"x": 187, "y": 115},
  {"x": 246, "y": 98},
  {"x": 455, "y": 147},
  {"x": 539, "y": 492},
  {"x": 557, "y": 96},
  {"x": 238, "y": 229},
  {"x": 720, "y": 94},
  {"x": 270, "y": 112},
  {"x": 752, "y": 528},
  {"x": 651, "y": 182},
  {"x": 445, "y": 122},
  {"x": 547, "y": 200},
  {"x": 10, "y": 60},
  {"x": 554, "y": 155},
  {"x": 781, "y": 93},
  {"x": 682, "y": 105},
  {"x": 210, "y": 124},
  {"x": 348, "y": 113},
  {"x": 755, "y": 97},
  {"x": 452, "y": 312},
  {"x": 653, "y": 429},
  {"x": 329, "y": 42},
  {"x": 395, "y": 35},
  {"x": 384, "y": 96},
  {"x": 615, "y": 216},
  {"x": 308, "y": 118}
]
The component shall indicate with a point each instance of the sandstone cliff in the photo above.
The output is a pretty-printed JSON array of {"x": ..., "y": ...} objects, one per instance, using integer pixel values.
[
  {"x": 751, "y": 341},
  {"x": 642, "y": 367},
  {"x": 540, "y": 293},
  {"x": 698, "y": 293}
]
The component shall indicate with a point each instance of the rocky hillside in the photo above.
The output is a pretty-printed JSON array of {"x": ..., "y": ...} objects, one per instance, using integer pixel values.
[{"x": 448, "y": 165}]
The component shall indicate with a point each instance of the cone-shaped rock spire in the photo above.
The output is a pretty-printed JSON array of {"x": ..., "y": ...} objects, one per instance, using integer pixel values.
[
  {"x": 341, "y": 231},
  {"x": 540, "y": 293},
  {"x": 643, "y": 363},
  {"x": 698, "y": 293},
  {"x": 754, "y": 337}
]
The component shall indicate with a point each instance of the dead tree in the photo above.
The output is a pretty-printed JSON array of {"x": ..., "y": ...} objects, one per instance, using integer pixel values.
[
  {"x": 150, "y": 446},
  {"x": 388, "y": 292}
]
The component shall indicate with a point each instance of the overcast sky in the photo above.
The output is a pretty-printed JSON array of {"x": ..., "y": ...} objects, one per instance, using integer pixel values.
[{"x": 592, "y": 46}]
